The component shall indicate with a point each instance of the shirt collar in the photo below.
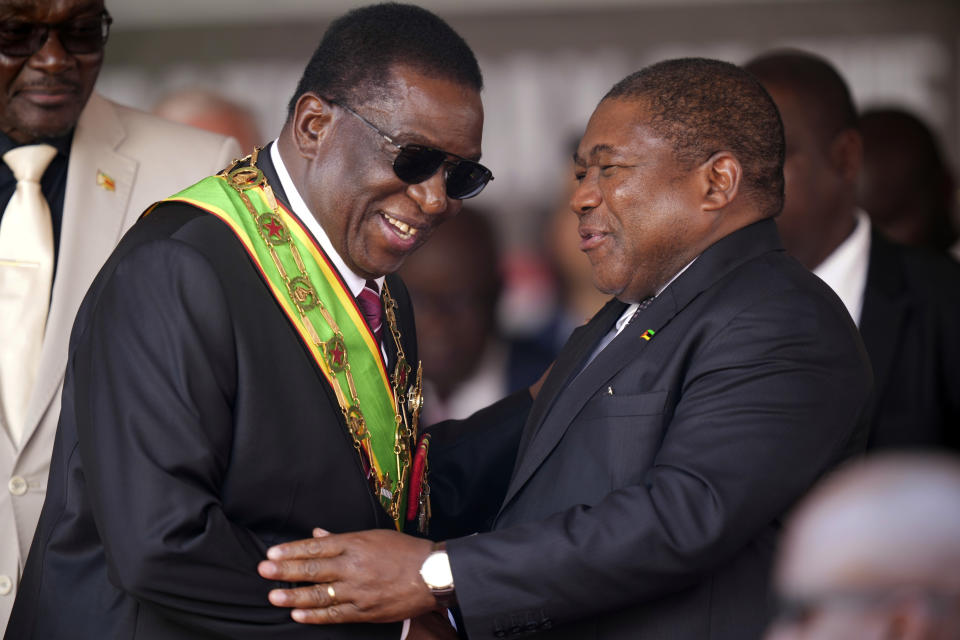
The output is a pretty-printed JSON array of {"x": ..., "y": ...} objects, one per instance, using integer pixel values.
[
  {"x": 353, "y": 281},
  {"x": 61, "y": 144},
  {"x": 627, "y": 314},
  {"x": 845, "y": 270}
]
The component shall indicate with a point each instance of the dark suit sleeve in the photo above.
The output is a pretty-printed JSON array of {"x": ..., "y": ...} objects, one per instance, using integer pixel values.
[
  {"x": 470, "y": 465},
  {"x": 754, "y": 421},
  {"x": 155, "y": 373}
]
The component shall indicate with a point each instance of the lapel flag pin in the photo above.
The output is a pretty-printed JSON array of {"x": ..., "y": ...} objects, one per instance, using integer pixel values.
[
  {"x": 648, "y": 334},
  {"x": 105, "y": 181}
]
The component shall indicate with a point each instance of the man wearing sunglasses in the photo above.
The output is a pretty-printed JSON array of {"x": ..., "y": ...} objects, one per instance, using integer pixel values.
[
  {"x": 97, "y": 165},
  {"x": 244, "y": 368}
]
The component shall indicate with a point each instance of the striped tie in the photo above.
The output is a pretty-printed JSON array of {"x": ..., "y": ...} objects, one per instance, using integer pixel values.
[
  {"x": 370, "y": 306},
  {"x": 643, "y": 305}
]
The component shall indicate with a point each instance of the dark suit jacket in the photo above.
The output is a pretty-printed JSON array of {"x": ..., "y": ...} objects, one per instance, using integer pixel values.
[
  {"x": 911, "y": 327},
  {"x": 646, "y": 496},
  {"x": 196, "y": 432}
]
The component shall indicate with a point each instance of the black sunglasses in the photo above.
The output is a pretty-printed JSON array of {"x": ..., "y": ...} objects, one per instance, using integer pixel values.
[
  {"x": 416, "y": 162},
  {"x": 21, "y": 39}
]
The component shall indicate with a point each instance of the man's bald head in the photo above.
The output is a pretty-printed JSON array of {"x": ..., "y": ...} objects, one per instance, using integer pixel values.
[{"x": 876, "y": 547}]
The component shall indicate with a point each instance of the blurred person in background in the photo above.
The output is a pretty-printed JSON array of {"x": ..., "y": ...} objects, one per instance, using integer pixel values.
[
  {"x": 873, "y": 553},
  {"x": 575, "y": 298},
  {"x": 239, "y": 368},
  {"x": 905, "y": 301},
  {"x": 77, "y": 171},
  {"x": 454, "y": 284},
  {"x": 211, "y": 111},
  {"x": 906, "y": 185}
]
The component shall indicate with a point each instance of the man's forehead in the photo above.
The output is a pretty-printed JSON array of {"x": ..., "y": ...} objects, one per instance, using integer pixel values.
[
  {"x": 44, "y": 7},
  {"x": 616, "y": 126},
  {"x": 433, "y": 111}
]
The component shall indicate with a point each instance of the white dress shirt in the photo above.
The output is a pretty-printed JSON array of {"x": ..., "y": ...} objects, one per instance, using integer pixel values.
[{"x": 845, "y": 270}]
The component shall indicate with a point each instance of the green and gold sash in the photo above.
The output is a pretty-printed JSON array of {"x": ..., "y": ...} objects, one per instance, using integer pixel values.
[{"x": 380, "y": 413}]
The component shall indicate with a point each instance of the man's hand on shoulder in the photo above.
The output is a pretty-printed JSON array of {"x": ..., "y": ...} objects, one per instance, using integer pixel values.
[{"x": 366, "y": 576}]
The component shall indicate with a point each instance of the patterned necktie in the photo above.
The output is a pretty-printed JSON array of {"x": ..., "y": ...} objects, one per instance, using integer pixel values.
[
  {"x": 371, "y": 307},
  {"x": 26, "y": 273},
  {"x": 643, "y": 305}
]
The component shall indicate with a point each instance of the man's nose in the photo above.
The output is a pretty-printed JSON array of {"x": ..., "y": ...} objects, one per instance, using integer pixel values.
[
  {"x": 586, "y": 196},
  {"x": 52, "y": 57},
  {"x": 431, "y": 195}
]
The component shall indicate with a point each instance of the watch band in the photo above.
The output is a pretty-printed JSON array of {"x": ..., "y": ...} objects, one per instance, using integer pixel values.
[{"x": 444, "y": 593}]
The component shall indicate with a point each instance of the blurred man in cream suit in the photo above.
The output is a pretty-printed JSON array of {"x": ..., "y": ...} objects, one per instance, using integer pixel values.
[{"x": 102, "y": 165}]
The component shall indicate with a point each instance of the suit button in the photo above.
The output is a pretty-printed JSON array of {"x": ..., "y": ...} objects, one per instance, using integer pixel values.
[
  {"x": 17, "y": 486},
  {"x": 6, "y": 585}
]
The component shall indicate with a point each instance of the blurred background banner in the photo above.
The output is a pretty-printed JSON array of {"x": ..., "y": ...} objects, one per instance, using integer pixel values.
[{"x": 546, "y": 64}]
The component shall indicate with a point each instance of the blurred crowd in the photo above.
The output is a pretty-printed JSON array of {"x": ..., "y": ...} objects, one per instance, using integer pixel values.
[{"x": 871, "y": 208}]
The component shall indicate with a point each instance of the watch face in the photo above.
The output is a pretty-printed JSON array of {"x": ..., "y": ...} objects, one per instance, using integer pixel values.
[{"x": 436, "y": 571}]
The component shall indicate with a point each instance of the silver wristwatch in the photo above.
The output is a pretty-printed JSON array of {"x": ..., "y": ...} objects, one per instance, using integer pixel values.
[{"x": 437, "y": 575}]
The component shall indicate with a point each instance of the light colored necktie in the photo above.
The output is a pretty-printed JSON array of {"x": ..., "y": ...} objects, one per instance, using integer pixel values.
[{"x": 26, "y": 273}]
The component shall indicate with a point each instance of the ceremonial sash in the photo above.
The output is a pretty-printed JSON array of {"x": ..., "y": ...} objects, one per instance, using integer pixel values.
[{"x": 325, "y": 315}]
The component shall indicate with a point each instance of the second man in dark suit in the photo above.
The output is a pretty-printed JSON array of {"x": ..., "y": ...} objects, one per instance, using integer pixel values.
[{"x": 905, "y": 301}]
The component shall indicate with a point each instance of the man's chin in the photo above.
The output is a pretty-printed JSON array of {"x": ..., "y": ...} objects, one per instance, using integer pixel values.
[
  {"x": 373, "y": 269},
  {"x": 386, "y": 262},
  {"x": 28, "y": 132},
  {"x": 605, "y": 286}
]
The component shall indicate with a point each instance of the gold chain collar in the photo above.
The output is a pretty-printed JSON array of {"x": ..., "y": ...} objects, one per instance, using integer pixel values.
[{"x": 408, "y": 400}]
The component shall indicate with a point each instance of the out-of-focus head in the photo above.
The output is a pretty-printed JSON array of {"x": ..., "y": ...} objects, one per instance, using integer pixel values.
[
  {"x": 906, "y": 185},
  {"x": 391, "y": 91},
  {"x": 675, "y": 157},
  {"x": 454, "y": 283},
  {"x": 823, "y": 151},
  {"x": 50, "y": 55},
  {"x": 211, "y": 111},
  {"x": 874, "y": 553}
]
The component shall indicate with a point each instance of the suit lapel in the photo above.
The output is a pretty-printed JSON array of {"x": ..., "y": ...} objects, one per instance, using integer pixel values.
[
  {"x": 553, "y": 412},
  {"x": 577, "y": 349},
  {"x": 547, "y": 427},
  {"x": 93, "y": 220},
  {"x": 885, "y": 306}
]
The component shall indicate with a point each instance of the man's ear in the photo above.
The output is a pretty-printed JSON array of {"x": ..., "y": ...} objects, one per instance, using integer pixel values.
[
  {"x": 721, "y": 174},
  {"x": 311, "y": 118},
  {"x": 846, "y": 154}
]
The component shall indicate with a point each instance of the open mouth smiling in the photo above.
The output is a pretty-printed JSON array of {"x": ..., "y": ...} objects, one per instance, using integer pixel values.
[{"x": 402, "y": 229}]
